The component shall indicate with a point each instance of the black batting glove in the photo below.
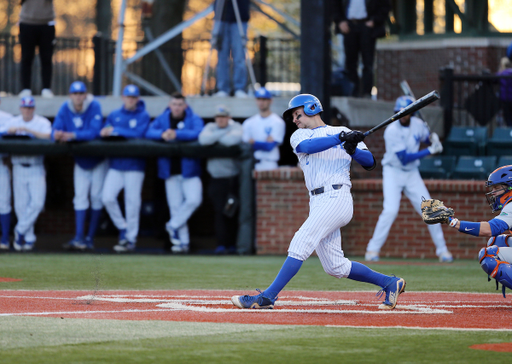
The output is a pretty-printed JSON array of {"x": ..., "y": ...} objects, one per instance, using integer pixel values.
[
  {"x": 350, "y": 147},
  {"x": 354, "y": 136}
]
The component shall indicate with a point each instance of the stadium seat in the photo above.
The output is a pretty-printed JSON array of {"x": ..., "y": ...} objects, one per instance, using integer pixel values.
[
  {"x": 500, "y": 143},
  {"x": 505, "y": 160},
  {"x": 466, "y": 141},
  {"x": 438, "y": 166},
  {"x": 477, "y": 168}
]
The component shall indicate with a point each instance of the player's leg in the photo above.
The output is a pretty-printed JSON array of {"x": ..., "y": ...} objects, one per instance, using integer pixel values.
[
  {"x": 328, "y": 212},
  {"x": 82, "y": 184},
  {"x": 45, "y": 54},
  {"x": 133, "y": 200},
  {"x": 98, "y": 178},
  {"x": 491, "y": 261},
  {"x": 415, "y": 190},
  {"x": 192, "y": 189},
  {"x": 37, "y": 195},
  {"x": 238, "y": 53},
  {"x": 392, "y": 186},
  {"x": 335, "y": 264},
  {"x": 5, "y": 204},
  {"x": 21, "y": 200},
  {"x": 27, "y": 40},
  {"x": 114, "y": 183},
  {"x": 175, "y": 198}
]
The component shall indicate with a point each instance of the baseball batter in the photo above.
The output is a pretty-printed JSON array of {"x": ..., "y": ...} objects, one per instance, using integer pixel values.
[
  {"x": 28, "y": 174},
  {"x": 325, "y": 161},
  {"x": 401, "y": 174},
  {"x": 265, "y": 132},
  {"x": 5, "y": 187},
  {"x": 130, "y": 121},
  {"x": 496, "y": 258},
  {"x": 80, "y": 119}
]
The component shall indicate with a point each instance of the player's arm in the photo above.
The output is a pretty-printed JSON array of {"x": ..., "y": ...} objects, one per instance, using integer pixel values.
[
  {"x": 156, "y": 128},
  {"x": 365, "y": 158},
  {"x": 95, "y": 124},
  {"x": 493, "y": 227},
  {"x": 210, "y": 134},
  {"x": 137, "y": 132},
  {"x": 316, "y": 145},
  {"x": 233, "y": 137}
]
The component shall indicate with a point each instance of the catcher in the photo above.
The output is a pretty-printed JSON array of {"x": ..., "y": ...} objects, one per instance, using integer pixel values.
[{"x": 496, "y": 258}]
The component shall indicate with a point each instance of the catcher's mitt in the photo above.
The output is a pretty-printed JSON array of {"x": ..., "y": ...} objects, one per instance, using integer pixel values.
[{"x": 434, "y": 211}]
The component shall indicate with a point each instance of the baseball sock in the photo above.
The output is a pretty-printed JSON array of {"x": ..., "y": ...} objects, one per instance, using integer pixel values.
[
  {"x": 362, "y": 273},
  {"x": 93, "y": 223},
  {"x": 80, "y": 222},
  {"x": 5, "y": 222},
  {"x": 290, "y": 267}
]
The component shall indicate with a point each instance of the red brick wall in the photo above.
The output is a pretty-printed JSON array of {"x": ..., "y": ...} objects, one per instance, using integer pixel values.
[
  {"x": 282, "y": 207},
  {"x": 420, "y": 67}
]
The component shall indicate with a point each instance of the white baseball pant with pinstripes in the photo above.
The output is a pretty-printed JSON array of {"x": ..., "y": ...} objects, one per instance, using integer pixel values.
[
  {"x": 328, "y": 212},
  {"x": 5, "y": 189}
]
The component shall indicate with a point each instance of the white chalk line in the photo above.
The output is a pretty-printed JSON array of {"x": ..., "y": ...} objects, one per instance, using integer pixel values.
[{"x": 417, "y": 328}]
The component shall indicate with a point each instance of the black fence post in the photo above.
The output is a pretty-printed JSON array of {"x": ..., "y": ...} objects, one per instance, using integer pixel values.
[
  {"x": 263, "y": 60},
  {"x": 446, "y": 79},
  {"x": 99, "y": 79}
]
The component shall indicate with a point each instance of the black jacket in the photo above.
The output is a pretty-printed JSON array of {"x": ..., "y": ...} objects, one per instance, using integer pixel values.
[{"x": 377, "y": 10}]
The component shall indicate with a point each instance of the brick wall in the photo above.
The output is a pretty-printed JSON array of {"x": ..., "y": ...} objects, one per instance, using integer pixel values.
[{"x": 282, "y": 207}]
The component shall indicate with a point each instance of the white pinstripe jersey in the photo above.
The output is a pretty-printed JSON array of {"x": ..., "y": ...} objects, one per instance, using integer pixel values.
[
  {"x": 331, "y": 166},
  {"x": 39, "y": 124}
]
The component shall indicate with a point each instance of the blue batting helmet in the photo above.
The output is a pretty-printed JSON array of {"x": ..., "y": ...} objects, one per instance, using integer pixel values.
[
  {"x": 262, "y": 93},
  {"x": 312, "y": 106},
  {"x": 501, "y": 176},
  {"x": 402, "y": 102}
]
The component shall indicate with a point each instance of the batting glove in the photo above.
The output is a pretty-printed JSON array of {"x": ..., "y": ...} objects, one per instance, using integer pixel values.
[
  {"x": 354, "y": 136},
  {"x": 436, "y": 146}
]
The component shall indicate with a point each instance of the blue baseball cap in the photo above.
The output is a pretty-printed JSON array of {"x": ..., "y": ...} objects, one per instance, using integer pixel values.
[
  {"x": 27, "y": 101},
  {"x": 262, "y": 93},
  {"x": 131, "y": 90},
  {"x": 77, "y": 87}
]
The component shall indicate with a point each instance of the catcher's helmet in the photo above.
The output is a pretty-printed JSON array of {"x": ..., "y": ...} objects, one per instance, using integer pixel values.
[
  {"x": 312, "y": 106},
  {"x": 501, "y": 176},
  {"x": 402, "y": 102}
]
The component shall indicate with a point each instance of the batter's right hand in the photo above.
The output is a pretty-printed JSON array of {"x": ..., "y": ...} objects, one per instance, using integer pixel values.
[{"x": 353, "y": 137}]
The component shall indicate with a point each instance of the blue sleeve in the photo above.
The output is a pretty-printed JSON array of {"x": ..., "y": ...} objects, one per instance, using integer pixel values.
[
  {"x": 191, "y": 134},
  {"x": 266, "y": 146},
  {"x": 498, "y": 226},
  {"x": 364, "y": 157},
  {"x": 58, "y": 122},
  {"x": 405, "y": 157},
  {"x": 315, "y": 145},
  {"x": 155, "y": 129}
]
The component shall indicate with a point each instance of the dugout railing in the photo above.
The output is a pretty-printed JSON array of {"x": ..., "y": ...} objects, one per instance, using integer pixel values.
[{"x": 149, "y": 148}]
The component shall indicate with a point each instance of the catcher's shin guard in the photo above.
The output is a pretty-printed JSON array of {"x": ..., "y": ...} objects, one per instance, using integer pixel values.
[
  {"x": 501, "y": 240},
  {"x": 495, "y": 268}
]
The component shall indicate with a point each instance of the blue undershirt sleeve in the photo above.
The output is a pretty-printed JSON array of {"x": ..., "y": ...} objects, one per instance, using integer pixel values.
[
  {"x": 405, "y": 157},
  {"x": 310, "y": 146},
  {"x": 498, "y": 226},
  {"x": 266, "y": 146},
  {"x": 363, "y": 157}
]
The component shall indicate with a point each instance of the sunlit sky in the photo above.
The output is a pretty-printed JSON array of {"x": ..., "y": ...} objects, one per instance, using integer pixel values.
[{"x": 500, "y": 14}]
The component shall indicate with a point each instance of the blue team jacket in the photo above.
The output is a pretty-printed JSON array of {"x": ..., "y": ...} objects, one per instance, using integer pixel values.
[
  {"x": 188, "y": 130},
  {"x": 131, "y": 125},
  {"x": 85, "y": 125}
]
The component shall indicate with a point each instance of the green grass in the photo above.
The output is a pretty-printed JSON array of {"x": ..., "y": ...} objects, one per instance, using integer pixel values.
[{"x": 52, "y": 340}]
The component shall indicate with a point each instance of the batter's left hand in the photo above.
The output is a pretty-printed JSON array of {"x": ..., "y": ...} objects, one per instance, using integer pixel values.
[{"x": 354, "y": 136}]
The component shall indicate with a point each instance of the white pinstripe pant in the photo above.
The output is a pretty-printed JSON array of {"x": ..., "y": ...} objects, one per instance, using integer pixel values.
[
  {"x": 328, "y": 212},
  {"x": 5, "y": 189}
]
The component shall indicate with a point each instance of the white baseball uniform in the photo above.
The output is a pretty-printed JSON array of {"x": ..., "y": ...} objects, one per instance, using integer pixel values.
[
  {"x": 259, "y": 129},
  {"x": 29, "y": 180},
  {"x": 398, "y": 177},
  {"x": 5, "y": 173},
  {"x": 330, "y": 210}
]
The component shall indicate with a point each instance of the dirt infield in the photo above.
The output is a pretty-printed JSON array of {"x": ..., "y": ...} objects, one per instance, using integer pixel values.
[{"x": 449, "y": 310}]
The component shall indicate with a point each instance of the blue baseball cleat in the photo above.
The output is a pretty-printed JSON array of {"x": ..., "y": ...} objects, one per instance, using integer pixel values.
[
  {"x": 257, "y": 302},
  {"x": 392, "y": 290}
]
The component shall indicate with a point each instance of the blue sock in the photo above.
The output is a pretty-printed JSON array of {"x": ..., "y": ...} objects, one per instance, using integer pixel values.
[
  {"x": 290, "y": 267},
  {"x": 5, "y": 222},
  {"x": 362, "y": 273},
  {"x": 93, "y": 223},
  {"x": 79, "y": 223}
]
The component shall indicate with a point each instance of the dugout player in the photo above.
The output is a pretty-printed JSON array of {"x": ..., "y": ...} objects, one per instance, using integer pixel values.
[
  {"x": 5, "y": 187},
  {"x": 80, "y": 119},
  {"x": 28, "y": 174},
  {"x": 265, "y": 132},
  {"x": 183, "y": 186},
  {"x": 130, "y": 122},
  {"x": 400, "y": 174},
  {"x": 496, "y": 258},
  {"x": 325, "y": 161}
]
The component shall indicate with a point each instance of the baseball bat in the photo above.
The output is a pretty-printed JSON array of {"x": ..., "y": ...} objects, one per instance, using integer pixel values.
[{"x": 415, "y": 106}]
